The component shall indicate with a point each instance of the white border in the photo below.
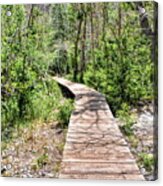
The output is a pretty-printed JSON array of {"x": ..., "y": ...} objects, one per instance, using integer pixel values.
[{"x": 58, "y": 182}]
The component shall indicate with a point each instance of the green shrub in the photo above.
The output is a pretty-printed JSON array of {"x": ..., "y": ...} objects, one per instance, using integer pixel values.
[
  {"x": 147, "y": 160},
  {"x": 45, "y": 100},
  {"x": 64, "y": 112},
  {"x": 127, "y": 119}
]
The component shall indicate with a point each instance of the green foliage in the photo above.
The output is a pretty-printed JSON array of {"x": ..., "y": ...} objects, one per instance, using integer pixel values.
[
  {"x": 134, "y": 141},
  {"x": 60, "y": 147},
  {"x": 57, "y": 166},
  {"x": 104, "y": 43},
  {"x": 45, "y": 100},
  {"x": 27, "y": 91},
  {"x": 42, "y": 160},
  {"x": 64, "y": 112},
  {"x": 147, "y": 160},
  {"x": 118, "y": 56},
  {"x": 127, "y": 119},
  {"x": 123, "y": 68}
]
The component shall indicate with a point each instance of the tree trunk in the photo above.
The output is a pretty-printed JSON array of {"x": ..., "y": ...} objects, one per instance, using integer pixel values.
[
  {"x": 146, "y": 29},
  {"x": 83, "y": 48},
  {"x": 76, "y": 48},
  {"x": 92, "y": 37}
]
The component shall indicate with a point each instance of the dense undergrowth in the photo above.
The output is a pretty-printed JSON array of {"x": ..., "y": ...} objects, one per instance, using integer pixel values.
[
  {"x": 28, "y": 92},
  {"x": 46, "y": 104}
]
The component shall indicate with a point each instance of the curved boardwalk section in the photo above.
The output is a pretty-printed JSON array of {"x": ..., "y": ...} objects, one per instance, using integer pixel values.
[{"x": 95, "y": 147}]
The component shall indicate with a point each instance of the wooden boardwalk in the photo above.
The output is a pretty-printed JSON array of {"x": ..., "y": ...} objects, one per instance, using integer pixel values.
[{"x": 95, "y": 147}]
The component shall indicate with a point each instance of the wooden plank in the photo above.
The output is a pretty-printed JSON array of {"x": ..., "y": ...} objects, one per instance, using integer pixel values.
[
  {"x": 99, "y": 168},
  {"x": 100, "y": 161},
  {"x": 103, "y": 176},
  {"x": 112, "y": 156}
]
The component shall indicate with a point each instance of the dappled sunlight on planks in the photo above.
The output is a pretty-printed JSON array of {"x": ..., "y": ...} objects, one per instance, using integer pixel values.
[{"x": 95, "y": 147}]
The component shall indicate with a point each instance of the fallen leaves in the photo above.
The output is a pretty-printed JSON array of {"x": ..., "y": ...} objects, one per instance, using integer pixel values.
[{"x": 36, "y": 152}]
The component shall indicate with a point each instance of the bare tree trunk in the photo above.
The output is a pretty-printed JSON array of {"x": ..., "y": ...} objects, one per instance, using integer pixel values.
[
  {"x": 144, "y": 22},
  {"x": 105, "y": 21},
  {"x": 105, "y": 48},
  {"x": 83, "y": 47},
  {"x": 92, "y": 36},
  {"x": 76, "y": 48}
]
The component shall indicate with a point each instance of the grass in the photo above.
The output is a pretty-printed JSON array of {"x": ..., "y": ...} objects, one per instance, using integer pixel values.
[
  {"x": 64, "y": 113},
  {"x": 40, "y": 106},
  {"x": 57, "y": 166},
  {"x": 42, "y": 160},
  {"x": 127, "y": 119},
  {"x": 60, "y": 147},
  {"x": 147, "y": 160},
  {"x": 46, "y": 104},
  {"x": 134, "y": 141}
]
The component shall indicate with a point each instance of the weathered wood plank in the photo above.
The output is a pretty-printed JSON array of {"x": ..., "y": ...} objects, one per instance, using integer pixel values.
[
  {"x": 99, "y": 168},
  {"x": 103, "y": 176}
]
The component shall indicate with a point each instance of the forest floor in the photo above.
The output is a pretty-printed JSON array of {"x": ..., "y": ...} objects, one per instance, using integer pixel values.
[
  {"x": 36, "y": 152},
  {"x": 142, "y": 141}
]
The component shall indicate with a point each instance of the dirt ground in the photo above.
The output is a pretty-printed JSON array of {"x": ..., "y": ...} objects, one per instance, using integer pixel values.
[{"x": 35, "y": 152}]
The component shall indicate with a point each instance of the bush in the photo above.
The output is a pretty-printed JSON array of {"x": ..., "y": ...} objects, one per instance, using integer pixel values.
[
  {"x": 147, "y": 160},
  {"x": 127, "y": 119},
  {"x": 64, "y": 112},
  {"x": 43, "y": 100}
]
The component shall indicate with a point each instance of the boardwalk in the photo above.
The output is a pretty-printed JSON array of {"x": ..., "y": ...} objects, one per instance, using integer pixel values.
[{"x": 95, "y": 147}]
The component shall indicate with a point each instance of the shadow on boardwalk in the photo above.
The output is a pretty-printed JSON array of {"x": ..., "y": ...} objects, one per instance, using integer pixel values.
[{"x": 95, "y": 147}]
